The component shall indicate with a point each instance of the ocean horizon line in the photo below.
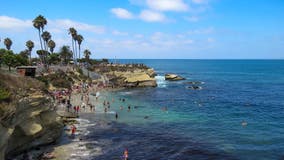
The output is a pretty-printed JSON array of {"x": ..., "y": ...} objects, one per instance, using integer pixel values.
[{"x": 260, "y": 59}]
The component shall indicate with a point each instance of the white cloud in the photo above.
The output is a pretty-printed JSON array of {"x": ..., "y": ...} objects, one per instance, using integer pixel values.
[
  {"x": 122, "y": 13},
  {"x": 210, "y": 40},
  {"x": 201, "y": 31},
  {"x": 167, "y": 5},
  {"x": 65, "y": 24},
  {"x": 118, "y": 33},
  {"x": 188, "y": 41},
  {"x": 152, "y": 16},
  {"x": 138, "y": 35},
  {"x": 54, "y": 26},
  {"x": 14, "y": 23}
]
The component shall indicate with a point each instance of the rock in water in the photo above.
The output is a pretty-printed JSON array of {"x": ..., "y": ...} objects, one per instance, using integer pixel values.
[
  {"x": 195, "y": 87},
  {"x": 173, "y": 77}
]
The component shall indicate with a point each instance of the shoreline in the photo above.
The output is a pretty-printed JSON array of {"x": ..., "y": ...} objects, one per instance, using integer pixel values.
[{"x": 66, "y": 144}]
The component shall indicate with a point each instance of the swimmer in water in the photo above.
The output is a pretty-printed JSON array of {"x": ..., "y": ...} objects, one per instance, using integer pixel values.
[
  {"x": 129, "y": 108},
  {"x": 244, "y": 123},
  {"x": 164, "y": 109},
  {"x": 125, "y": 154},
  {"x": 116, "y": 115}
]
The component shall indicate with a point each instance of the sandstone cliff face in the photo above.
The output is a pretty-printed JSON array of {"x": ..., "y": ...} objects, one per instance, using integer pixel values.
[
  {"x": 127, "y": 75},
  {"x": 28, "y": 119},
  {"x": 137, "y": 78},
  {"x": 173, "y": 77}
]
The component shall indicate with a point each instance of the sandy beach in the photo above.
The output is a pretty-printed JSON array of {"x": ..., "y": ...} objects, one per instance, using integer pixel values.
[{"x": 74, "y": 146}]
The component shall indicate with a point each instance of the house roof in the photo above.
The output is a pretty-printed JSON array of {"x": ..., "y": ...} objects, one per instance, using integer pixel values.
[{"x": 25, "y": 67}]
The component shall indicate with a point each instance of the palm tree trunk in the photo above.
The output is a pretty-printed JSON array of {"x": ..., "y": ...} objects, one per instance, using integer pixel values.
[
  {"x": 79, "y": 51},
  {"x": 75, "y": 52},
  {"x": 40, "y": 39},
  {"x": 30, "y": 57}
]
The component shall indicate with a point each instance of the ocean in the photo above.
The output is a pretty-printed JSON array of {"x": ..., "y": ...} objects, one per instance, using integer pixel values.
[{"x": 238, "y": 113}]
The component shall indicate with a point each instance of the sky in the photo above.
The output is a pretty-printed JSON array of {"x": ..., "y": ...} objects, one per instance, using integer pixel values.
[{"x": 153, "y": 29}]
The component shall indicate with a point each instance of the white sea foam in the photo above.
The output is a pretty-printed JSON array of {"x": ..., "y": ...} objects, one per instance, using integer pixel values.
[
  {"x": 161, "y": 82},
  {"x": 126, "y": 93},
  {"x": 111, "y": 112}
]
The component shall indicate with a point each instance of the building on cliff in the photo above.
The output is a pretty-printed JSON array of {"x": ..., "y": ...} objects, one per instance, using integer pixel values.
[{"x": 26, "y": 70}]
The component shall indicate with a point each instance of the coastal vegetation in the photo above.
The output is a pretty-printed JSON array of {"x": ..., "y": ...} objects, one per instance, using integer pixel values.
[
  {"x": 46, "y": 53},
  {"x": 27, "y": 105}
]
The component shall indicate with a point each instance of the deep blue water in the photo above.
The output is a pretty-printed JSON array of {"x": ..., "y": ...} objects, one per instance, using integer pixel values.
[{"x": 238, "y": 114}]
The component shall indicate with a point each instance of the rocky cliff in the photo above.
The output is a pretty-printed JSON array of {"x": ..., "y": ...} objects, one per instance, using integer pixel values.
[
  {"x": 121, "y": 75},
  {"x": 27, "y": 118}
]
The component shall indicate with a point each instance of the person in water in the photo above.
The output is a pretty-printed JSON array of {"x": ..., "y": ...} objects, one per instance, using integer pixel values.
[
  {"x": 116, "y": 115},
  {"x": 125, "y": 154},
  {"x": 73, "y": 130},
  {"x": 129, "y": 108}
]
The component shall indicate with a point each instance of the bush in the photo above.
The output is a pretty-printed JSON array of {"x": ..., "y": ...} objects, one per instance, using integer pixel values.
[
  {"x": 43, "y": 79},
  {"x": 4, "y": 95},
  {"x": 62, "y": 83}
]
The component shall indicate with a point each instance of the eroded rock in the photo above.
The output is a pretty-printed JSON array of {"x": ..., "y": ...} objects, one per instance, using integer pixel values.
[{"x": 173, "y": 77}]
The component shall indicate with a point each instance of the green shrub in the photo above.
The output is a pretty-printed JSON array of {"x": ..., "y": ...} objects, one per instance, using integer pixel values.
[
  {"x": 4, "y": 94},
  {"x": 43, "y": 79},
  {"x": 62, "y": 83}
]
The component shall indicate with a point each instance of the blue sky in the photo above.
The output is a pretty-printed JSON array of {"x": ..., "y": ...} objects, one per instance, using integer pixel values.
[{"x": 203, "y": 29}]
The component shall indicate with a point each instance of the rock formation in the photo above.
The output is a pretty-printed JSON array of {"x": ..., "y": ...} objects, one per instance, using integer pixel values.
[
  {"x": 127, "y": 75},
  {"x": 27, "y": 120},
  {"x": 173, "y": 77},
  {"x": 137, "y": 78}
]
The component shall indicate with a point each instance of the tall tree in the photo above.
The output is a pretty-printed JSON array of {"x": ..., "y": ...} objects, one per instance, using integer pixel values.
[
  {"x": 65, "y": 54},
  {"x": 9, "y": 59},
  {"x": 51, "y": 45},
  {"x": 8, "y": 43},
  {"x": 24, "y": 54},
  {"x": 30, "y": 45},
  {"x": 46, "y": 37},
  {"x": 73, "y": 33},
  {"x": 79, "y": 38},
  {"x": 87, "y": 54},
  {"x": 42, "y": 55},
  {"x": 39, "y": 22}
]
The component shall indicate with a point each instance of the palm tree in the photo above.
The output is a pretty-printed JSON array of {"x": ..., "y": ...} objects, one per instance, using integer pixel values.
[
  {"x": 51, "y": 45},
  {"x": 46, "y": 37},
  {"x": 39, "y": 22},
  {"x": 73, "y": 33},
  {"x": 65, "y": 54},
  {"x": 30, "y": 46},
  {"x": 87, "y": 54},
  {"x": 8, "y": 43},
  {"x": 79, "y": 38}
]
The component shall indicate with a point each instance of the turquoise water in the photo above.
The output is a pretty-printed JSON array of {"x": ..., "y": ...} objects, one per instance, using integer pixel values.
[{"x": 238, "y": 114}]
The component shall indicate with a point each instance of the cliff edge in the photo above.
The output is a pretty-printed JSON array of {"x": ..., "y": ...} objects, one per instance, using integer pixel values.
[{"x": 27, "y": 118}]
